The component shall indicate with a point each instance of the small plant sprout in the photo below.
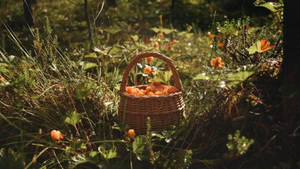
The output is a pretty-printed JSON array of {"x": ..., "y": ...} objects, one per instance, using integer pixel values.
[{"x": 238, "y": 144}]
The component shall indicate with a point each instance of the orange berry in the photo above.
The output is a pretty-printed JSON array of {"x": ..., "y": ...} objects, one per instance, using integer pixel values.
[
  {"x": 211, "y": 35},
  {"x": 56, "y": 135},
  {"x": 168, "y": 47},
  {"x": 131, "y": 90},
  {"x": 2, "y": 79},
  {"x": 161, "y": 88},
  {"x": 172, "y": 89},
  {"x": 148, "y": 88},
  {"x": 279, "y": 31},
  {"x": 140, "y": 92},
  {"x": 220, "y": 44},
  {"x": 161, "y": 35},
  {"x": 148, "y": 70},
  {"x": 174, "y": 41},
  {"x": 131, "y": 133},
  {"x": 158, "y": 93},
  {"x": 100, "y": 31},
  {"x": 156, "y": 44},
  {"x": 150, "y": 93},
  {"x": 149, "y": 59}
]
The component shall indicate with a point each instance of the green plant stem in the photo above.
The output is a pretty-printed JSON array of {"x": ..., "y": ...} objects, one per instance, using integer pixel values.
[{"x": 57, "y": 160}]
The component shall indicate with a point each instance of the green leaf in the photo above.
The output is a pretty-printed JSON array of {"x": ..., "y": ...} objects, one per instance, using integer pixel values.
[
  {"x": 272, "y": 6},
  {"x": 112, "y": 30},
  {"x": 139, "y": 144},
  {"x": 93, "y": 154},
  {"x": 164, "y": 30},
  {"x": 135, "y": 37},
  {"x": 82, "y": 90},
  {"x": 11, "y": 159},
  {"x": 167, "y": 31},
  {"x": 91, "y": 55},
  {"x": 108, "y": 151},
  {"x": 239, "y": 76},
  {"x": 162, "y": 76},
  {"x": 256, "y": 47},
  {"x": 140, "y": 147},
  {"x": 89, "y": 65},
  {"x": 3, "y": 68},
  {"x": 156, "y": 30},
  {"x": 83, "y": 146},
  {"x": 73, "y": 118},
  {"x": 201, "y": 76},
  {"x": 114, "y": 51},
  {"x": 253, "y": 29}
]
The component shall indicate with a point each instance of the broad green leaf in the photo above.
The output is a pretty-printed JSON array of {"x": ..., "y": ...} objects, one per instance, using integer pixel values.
[
  {"x": 114, "y": 51},
  {"x": 215, "y": 77},
  {"x": 73, "y": 118},
  {"x": 167, "y": 31},
  {"x": 91, "y": 55},
  {"x": 256, "y": 47},
  {"x": 201, "y": 76},
  {"x": 164, "y": 30},
  {"x": 88, "y": 65},
  {"x": 93, "y": 154},
  {"x": 112, "y": 30},
  {"x": 156, "y": 30},
  {"x": 269, "y": 5},
  {"x": 272, "y": 6},
  {"x": 236, "y": 78}
]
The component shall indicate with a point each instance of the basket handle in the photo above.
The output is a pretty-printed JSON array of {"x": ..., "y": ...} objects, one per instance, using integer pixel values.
[{"x": 177, "y": 82}]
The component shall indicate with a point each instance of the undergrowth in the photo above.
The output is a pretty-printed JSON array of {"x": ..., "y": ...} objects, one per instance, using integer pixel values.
[{"x": 230, "y": 77}]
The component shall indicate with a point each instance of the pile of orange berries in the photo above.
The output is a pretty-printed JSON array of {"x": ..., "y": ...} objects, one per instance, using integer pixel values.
[{"x": 154, "y": 88}]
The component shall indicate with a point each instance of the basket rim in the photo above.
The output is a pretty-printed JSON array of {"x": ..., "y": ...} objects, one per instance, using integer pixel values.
[{"x": 125, "y": 94}]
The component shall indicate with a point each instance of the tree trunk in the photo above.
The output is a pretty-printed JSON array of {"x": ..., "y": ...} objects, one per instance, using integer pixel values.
[{"x": 291, "y": 68}]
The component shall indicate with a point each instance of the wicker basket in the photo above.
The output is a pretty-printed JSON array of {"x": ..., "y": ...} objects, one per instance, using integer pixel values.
[{"x": 163, "y": 110}]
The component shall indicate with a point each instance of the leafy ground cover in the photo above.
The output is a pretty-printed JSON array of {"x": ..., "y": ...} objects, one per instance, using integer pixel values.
[{"x": 59, "y": 92}]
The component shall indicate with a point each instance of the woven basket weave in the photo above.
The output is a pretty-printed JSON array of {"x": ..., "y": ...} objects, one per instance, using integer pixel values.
[{"x": 163, "y": 110}]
